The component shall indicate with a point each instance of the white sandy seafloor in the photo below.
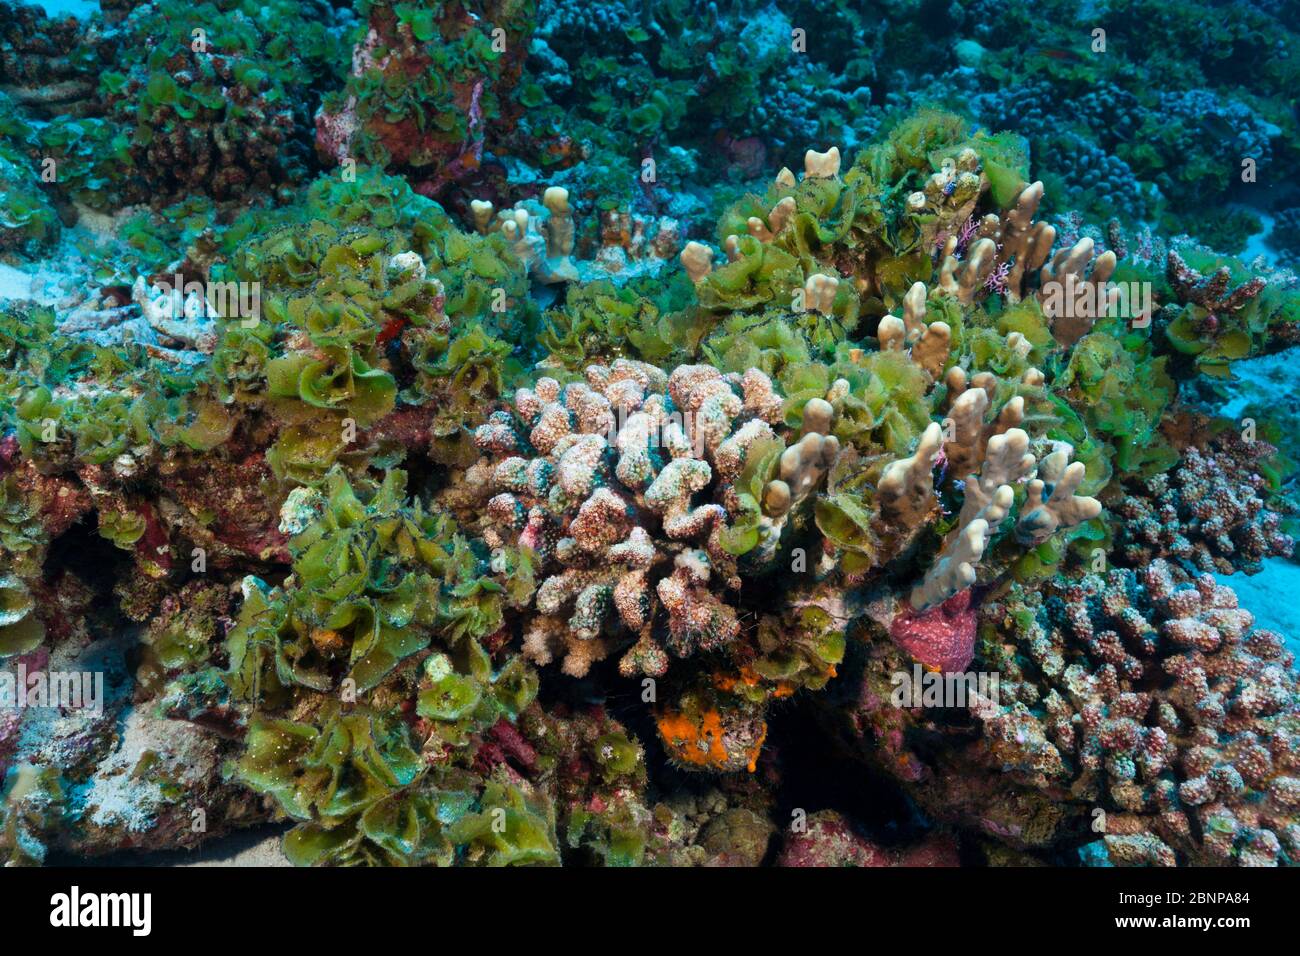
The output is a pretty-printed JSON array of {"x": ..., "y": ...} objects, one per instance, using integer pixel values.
[
  {"x": 78, "y": 8},
  {"x": 1273, "y": 595},
  {"x": 41, "y": 285},
  {"x": 245, "y": 849},
  {"x": 1258, "y": 245},
  {"x": 59, "y": 276},
  {"x": 256, "y": 847},
  {"x": 259, "y": 846}
]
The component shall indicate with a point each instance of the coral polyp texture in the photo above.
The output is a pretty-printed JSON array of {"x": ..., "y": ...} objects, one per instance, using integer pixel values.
[{"x": 551, "y": 433}]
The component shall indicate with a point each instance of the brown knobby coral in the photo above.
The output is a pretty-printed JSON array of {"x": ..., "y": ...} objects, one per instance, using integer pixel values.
[
  {"x": 1209, "y": 510},
  {"x": 1160, "y": 703},
  {"x": 601, "y": 480}
]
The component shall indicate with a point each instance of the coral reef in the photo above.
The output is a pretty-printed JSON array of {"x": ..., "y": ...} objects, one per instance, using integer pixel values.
[
  {"x": 429, "y": 88},
  {"x": 829, "y": 840},
  {"x": 519, "y": 433}
]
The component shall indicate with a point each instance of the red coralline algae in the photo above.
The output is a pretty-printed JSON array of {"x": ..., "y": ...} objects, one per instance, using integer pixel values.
[
  {"x": 334, "y": 131},
  {"x": 9, "y": 725},
  {"x": 244, "y": 523},
  {"x": 62, "y": 501},
  {"x": 942, "y": 638},
  {"x": 9, "y": 452},
  {"x": 11, "y": 716},
  {"x": 503, "y": 744},
  {"x": 153, "y": 547}
]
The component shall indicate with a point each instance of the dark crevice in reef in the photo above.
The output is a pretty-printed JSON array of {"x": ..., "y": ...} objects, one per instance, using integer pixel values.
[
  {"x": 815, "y": 776},
  {"x": 79, "y": 575},
  {"x": 81, "y": 551}
]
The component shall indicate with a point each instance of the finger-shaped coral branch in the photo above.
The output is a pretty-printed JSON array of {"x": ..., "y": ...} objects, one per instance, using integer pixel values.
[
  {"x": 1073, "y": 296},
  {"x": 1051, "y": 503},
  {"x": 905, "y": 492}
]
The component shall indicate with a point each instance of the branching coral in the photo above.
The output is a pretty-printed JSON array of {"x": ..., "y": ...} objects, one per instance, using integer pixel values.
[
  {"x": 1161, "y": 698},
  {"x": 641, "y": 497},
  {"x": 545, "y": 236},
  {"x": 618, "y": 462},
  {"x": 1128, "y": 697},
  {"x": 1208, "y": 511}
]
